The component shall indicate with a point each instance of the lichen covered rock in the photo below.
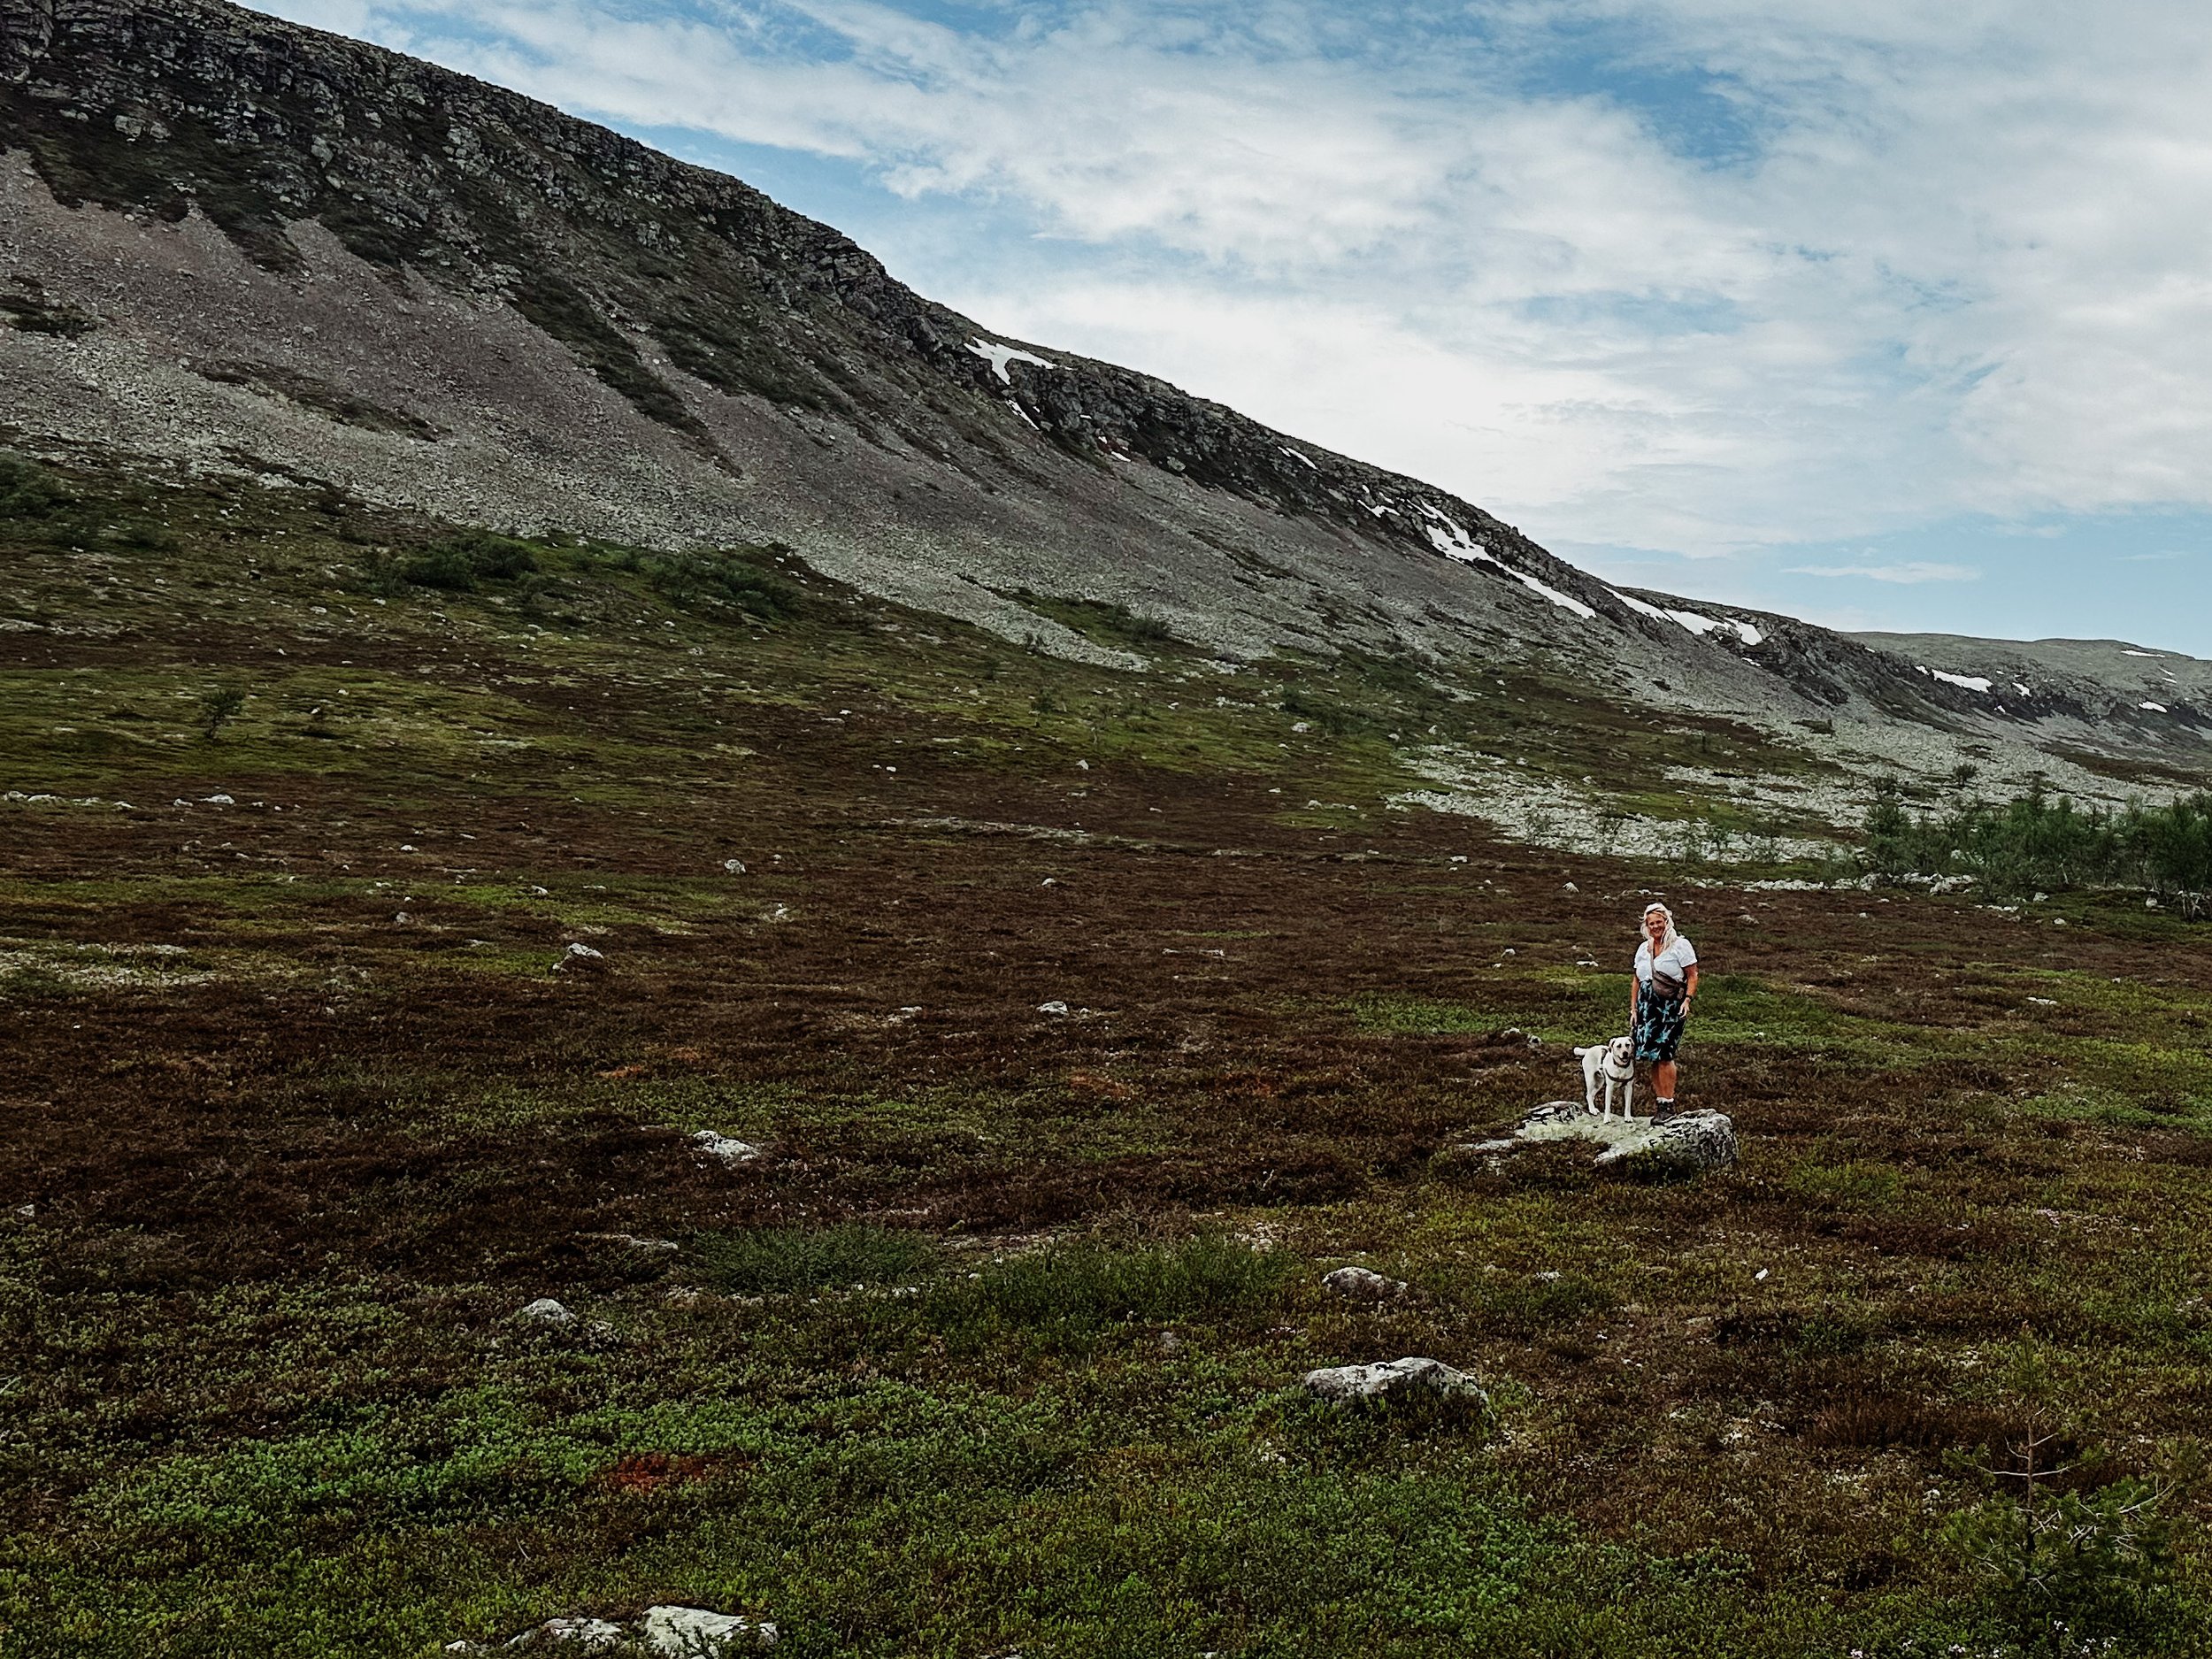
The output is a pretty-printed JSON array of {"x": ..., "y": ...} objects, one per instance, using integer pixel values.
[
  {"x": 1688, "y": 1144},
  {"x": 1401, "y": 1383}
]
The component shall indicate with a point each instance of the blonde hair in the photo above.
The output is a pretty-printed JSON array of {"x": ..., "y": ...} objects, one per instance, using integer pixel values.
[{"x": 1665, "y": 944}]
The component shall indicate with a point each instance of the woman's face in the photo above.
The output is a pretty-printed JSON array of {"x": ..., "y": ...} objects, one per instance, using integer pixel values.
[{"x": 1655, "y": 926}]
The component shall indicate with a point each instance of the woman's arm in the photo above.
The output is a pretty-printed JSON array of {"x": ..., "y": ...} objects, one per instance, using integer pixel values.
[{"x": 1689, "y": 983}]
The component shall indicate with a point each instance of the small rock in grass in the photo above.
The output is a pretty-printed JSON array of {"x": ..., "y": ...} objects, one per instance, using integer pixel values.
[
  {"x": 734, "y": 866},
  {"x": 223, "y": 800},
  {"x": 728, "y": 1149},
  {"x": 581, "y": 959},
  {"x": 693, "y": 1633},
  {"x": 1397, "y": 1382},
  {"x": 1361, "y": 1284},
  {"x": 1057, "y": 1009},
  {"x": 545, "y": 1310}
]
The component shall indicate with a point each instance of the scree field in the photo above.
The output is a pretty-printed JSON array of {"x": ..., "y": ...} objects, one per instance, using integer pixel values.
[{"x": 1081, "y": 1020}]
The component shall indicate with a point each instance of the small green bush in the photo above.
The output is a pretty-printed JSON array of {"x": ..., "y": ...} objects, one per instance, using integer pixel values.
[
  {"x": 456, "y": 565},
  {"x": 1136, "y": 628},
  {"x": 772, "y": 1261},
  {"x": 2069, "y": 1568},
  {"x": 28, "y": 490},
  {"x": 220, "y": 707},
  {"x": 1337, "y": 721},
  {"x": 722, "y": 578}
]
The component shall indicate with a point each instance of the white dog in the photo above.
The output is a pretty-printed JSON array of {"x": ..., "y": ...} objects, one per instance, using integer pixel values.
[{"x": 1615, "y": 1062}]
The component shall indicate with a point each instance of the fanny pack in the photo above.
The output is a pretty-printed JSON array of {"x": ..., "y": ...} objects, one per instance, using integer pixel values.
[{"x": 1666, "y": 985}]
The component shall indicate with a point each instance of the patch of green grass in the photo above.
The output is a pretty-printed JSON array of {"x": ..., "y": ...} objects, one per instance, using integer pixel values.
[
  {"x": 1554, "y": 1011},
  {"x": 1525, "y": 1305},
  {"x": 1851, "y": 1186},
  {"x": 1068, "y": 1295},
  {"x": 780, "y": 1261}
]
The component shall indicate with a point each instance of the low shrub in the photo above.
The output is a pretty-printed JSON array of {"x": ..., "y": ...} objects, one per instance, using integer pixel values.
[
  {"x": 722, "y": 578},
  {"x": 770, "y": 1261},
  {"x": 2069, "y": 1566},
  {"x": 456, "y": 565}
]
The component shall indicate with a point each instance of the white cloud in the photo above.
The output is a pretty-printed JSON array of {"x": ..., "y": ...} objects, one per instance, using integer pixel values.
[
  {"x": 1909, "y": 574},
  {"x": 1958, "y": 263}
]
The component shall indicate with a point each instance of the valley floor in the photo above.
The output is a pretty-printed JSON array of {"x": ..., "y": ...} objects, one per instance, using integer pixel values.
[{"x": 1082, "y": 1021}]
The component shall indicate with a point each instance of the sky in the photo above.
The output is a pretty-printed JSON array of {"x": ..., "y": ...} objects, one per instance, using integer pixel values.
[{"x": 1885, "y": 314}]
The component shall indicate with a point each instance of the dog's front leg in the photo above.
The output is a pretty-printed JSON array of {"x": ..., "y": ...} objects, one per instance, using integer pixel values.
[{"x": 1628, "y": 1098}]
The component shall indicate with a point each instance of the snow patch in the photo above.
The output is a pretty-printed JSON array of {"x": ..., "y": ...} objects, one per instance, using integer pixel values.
[
  {"x": 2152, "y": 655},
  {"x": 1299, "y": 455},
  {"x": 1024, "y": 413},
  {"x": 2155, "y": 708},
  {"x": 998, "y": 356},
  {"x": 1964, "y": 682},
  {"x": 1453, "y": 542},
  {"x": 1697, "y": 622}
]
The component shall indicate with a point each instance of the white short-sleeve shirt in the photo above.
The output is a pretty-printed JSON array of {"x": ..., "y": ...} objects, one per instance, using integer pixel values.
[{"x": 1677, "y": 959}]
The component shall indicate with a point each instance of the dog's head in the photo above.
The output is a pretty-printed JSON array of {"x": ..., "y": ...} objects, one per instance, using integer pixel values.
[{"x": 1621, "y": 1053}]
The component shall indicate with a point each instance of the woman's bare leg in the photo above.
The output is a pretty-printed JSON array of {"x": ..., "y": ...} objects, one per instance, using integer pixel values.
[{"x": 1662, "y": 1080}]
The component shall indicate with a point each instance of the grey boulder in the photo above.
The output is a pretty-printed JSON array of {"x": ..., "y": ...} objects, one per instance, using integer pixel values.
[
  {"x": 1688, "y": 1144},
  {"x": 668, "y": 1633},
  {"x": 1361, "y": 1284},
  {"x": 1397, "y": 1382},
  {"x": 693, "y": 1633},
  {"x": 727, "y": 1148}
]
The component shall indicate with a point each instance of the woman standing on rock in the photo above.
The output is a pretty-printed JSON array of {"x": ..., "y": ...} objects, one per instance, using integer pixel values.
[{"x": 1659, "y": 1000}]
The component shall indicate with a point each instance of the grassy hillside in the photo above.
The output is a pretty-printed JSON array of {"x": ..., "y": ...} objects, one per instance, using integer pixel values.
[{"x": 993, "y": 1348}]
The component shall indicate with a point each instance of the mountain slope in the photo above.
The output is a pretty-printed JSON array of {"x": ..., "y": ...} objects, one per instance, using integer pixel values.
[{"x": 241, "y": 244}]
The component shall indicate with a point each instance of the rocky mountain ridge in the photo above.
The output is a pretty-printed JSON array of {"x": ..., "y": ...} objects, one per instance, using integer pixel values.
[{"x": 232, "y": 241}]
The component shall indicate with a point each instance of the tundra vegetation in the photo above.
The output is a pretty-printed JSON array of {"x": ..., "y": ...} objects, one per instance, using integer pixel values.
[
  {"x": 2035, "y": 842},
  {"x": 1083, "y": 1019}
]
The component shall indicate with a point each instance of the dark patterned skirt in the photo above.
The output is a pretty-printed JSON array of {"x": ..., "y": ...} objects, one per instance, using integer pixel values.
[{"x": 1658, "y": 1024}]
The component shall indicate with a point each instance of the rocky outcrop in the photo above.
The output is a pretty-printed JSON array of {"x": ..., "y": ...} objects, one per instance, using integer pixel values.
[{"x": 1688, "y": 1144}]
